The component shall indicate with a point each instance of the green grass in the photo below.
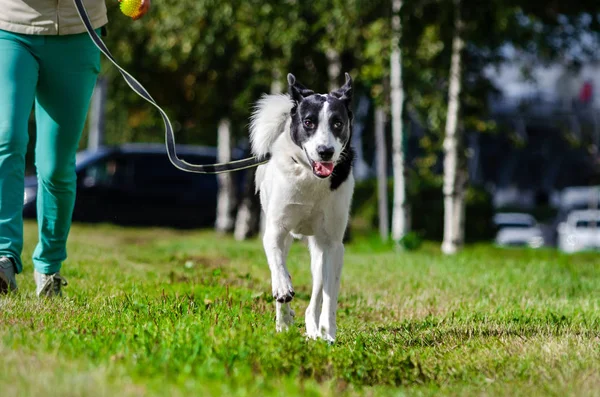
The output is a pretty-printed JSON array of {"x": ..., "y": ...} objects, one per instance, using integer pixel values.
[{"x": 160, "y": 312}]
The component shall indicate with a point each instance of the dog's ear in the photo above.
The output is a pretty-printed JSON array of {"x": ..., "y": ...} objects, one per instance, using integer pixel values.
[
  {"x": 297, "y": 91},
  {"x": 344, "y": 93}
]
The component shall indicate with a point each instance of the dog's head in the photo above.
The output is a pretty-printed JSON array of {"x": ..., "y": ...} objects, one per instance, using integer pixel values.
[{"x": 321, "y": 124}]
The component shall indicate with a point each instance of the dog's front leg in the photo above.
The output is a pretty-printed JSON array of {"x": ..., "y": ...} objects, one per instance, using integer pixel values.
[
  {"x": 332, "y": 271},
  {"x": 313, "y": 311},
  {"x": 277, "y": 243}
]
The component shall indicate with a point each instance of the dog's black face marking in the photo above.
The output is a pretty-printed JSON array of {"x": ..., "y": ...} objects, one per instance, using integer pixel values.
[
  {"x": 308, "y": 115},
  {"x": 343, "y": 168},
  {"x": 339, "y": 118},
  {"x": 322, "y": 126},
  {"x": 305, "y": 118}
]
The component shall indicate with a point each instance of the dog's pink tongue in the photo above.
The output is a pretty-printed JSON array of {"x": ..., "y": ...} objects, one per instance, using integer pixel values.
[{"x": 323, "y": 169}]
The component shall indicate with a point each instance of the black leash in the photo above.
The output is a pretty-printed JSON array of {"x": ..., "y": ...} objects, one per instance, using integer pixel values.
[{"x": 169, "y": 136}]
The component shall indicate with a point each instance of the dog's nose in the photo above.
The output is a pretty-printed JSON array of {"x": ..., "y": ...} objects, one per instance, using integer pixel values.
[{"x": 325, "y": 152}]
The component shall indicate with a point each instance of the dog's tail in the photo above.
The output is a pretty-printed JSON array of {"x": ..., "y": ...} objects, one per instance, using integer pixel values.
[{"x": 268, "y": 122}]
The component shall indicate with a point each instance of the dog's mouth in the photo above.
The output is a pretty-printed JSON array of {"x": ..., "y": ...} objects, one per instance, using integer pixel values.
[{"x": 321, "y": 169}]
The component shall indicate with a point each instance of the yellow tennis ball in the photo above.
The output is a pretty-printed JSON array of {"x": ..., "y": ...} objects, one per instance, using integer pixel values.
[{"x": 131, "y": 8}]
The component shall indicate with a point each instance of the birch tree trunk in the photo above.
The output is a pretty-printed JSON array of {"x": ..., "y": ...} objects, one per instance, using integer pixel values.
[
  {"x": 334, "y": 63},
  {"x": 226, "y": 195},
  {"x": 455, "y": 176},
  {"x": 333, "y": 68},
  {"x": 247, "y": 222},
  {"x": 399, "y": 216},
  {"x": 381, "y": 159}
]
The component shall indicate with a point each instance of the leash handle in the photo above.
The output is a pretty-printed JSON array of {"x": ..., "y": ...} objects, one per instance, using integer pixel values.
[{"x": 169, "y": 136}]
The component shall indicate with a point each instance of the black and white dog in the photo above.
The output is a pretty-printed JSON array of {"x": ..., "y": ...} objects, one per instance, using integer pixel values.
[{"x": 305, "y": 190}]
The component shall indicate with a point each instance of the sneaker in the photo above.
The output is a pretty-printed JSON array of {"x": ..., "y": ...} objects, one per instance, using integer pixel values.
[
  {"x": 48, "y": 285},
  {"x": 8, "y": 282}
]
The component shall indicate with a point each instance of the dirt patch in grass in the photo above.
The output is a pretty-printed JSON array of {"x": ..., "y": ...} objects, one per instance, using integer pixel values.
[
  {"x": 207, "y": 270},
  {"x": 209, "y": 262}
]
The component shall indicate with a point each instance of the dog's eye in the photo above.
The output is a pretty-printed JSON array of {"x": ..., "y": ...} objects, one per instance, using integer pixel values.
[
  {"x": 309, "y": 124},
  {"x": 337, "y": 125}
]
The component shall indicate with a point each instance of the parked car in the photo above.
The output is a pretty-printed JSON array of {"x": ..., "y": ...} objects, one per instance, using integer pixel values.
[
  {"x": 518, "y": 229},
  {"x": 575, "y": 198},
  {"x": 579, "y": 197},
  {"x": 580, "y": 231},
  {"x": 136, "y": 184}
]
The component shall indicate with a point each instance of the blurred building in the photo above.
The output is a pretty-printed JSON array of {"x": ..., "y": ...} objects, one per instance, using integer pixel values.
[{"x": 548, "y": 134}]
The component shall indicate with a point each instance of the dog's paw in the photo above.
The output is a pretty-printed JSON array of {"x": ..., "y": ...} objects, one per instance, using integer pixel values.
[
  {"x": 314, "y": 332},
  {"x": 284, "y": 295},
  {"x": 315, "y": 335},
  {"x": 312, "y": 328},
  {"x": 283, "y": 291},
  {"x": 285, "y": 317},
  {"x": 284, "y": 323},
  {"x": 328, "y": 338}
]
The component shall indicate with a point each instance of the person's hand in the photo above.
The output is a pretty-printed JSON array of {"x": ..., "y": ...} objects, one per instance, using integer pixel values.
[{"x": 144, "y": 7}]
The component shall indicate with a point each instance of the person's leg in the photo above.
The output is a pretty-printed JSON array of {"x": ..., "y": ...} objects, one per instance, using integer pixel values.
[
  {"x": 18, "y": 80},
  {"x": 69, "y": 66}
]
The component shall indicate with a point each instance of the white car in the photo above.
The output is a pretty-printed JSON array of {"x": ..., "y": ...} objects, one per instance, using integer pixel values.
[
  {"x": 518, "y": 229},
  {"x": 580, "y": 231}
]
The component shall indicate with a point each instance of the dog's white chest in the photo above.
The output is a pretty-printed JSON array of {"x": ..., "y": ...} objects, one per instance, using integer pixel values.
[
  {"x": 302, "y": 219},
  {"x": 294, "y": 198},
  {"x": 302, "y": 209}
]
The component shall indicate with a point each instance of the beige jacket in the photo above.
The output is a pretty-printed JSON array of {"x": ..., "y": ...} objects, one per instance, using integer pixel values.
[{"x": 49, "y": 17}]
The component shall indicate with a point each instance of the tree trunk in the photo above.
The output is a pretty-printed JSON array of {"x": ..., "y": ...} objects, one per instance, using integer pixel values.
[
  {"x": 247, "y": 222},
  {"x": 399, "y": 216},
  {"x": 333, "y": 68},
  {"x": 455, "y": 175},
  {"x": 381, "y": 158},
  {"x": 334, "y": 63},
  {"x": 226, "y": 195}
]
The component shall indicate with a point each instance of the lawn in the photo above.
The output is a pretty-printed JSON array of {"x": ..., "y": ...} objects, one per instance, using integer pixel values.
[{"x": 170, "y": 313}]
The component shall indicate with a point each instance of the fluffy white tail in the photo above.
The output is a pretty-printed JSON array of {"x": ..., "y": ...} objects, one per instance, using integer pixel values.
[{"x": 268, "y": 122}]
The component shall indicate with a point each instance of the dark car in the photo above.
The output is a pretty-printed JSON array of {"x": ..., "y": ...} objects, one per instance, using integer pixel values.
[{"x": 136, "y": 184}]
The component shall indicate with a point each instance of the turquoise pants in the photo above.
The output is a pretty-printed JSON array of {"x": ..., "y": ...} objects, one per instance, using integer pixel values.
[{"x": 58, "y": 73}]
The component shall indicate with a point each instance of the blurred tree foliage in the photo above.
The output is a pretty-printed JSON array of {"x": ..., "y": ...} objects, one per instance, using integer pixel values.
[{"x": 206, "y": 59}]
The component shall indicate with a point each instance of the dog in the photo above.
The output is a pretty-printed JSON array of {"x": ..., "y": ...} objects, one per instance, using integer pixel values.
[{"x": 305, "y": 191}]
